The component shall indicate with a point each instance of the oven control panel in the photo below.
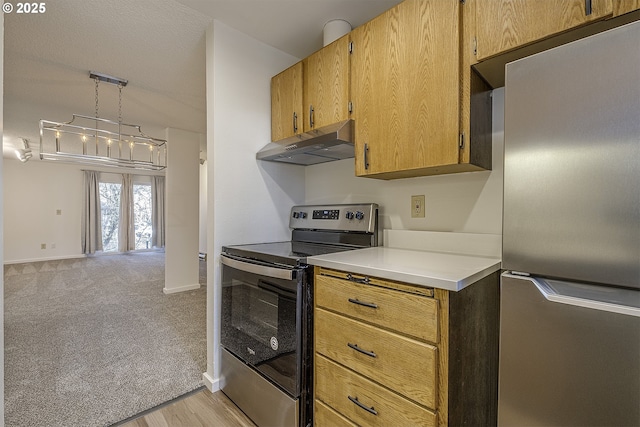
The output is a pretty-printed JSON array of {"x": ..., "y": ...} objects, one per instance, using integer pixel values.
[
  {"x": 347, "y": 217},
  {"x": 326, "y": 214}
]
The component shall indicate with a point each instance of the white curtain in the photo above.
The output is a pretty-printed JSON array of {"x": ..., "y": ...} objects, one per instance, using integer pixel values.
[
  {"x": 157, "y": 215},
  {"x": 91, "y": 233},
  {"x": 126, "y": 232}
]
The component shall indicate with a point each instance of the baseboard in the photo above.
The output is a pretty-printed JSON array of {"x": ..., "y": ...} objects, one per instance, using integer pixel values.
[
  {"x": 53, "y": 258},
  {"x": 212, "y": 384},
  {"x": 181, "y": 289}
]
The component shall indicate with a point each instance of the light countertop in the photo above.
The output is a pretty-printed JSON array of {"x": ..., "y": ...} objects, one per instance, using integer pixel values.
[{"x": 426, "y": 268}]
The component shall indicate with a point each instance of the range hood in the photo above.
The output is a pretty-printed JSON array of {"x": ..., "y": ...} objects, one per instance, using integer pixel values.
[{"x": 326, "y": 144}]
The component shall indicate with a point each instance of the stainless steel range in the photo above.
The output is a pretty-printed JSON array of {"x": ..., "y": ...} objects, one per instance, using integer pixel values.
[{"x": 267, "y": 311}]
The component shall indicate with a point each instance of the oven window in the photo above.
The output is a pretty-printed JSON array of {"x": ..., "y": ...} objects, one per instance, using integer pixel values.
[
  {"x": 254, "y": 311},
  {"x": 261, "y": 325}
]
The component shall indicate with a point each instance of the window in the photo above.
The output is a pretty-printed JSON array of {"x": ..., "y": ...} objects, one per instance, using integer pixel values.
[
  {"x": 110, "y": 206},
  {"x": 142, "y": 211},
  {"x": 110, "y": 196}
]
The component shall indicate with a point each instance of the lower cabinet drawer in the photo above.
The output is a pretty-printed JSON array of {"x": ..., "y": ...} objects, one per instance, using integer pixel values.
[
  {"x": 404, "y": 365},
  {"x": 327, "y": 417},
  {"x": 363, "y": 401},
  {"x": 413, "y": 315}
]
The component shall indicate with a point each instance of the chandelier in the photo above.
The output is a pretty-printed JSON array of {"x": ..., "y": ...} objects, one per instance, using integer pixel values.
[{"x": 99, "y": 141}]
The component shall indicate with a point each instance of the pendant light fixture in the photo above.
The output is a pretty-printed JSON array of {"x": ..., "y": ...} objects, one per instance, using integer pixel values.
[{"x": 99, "y": 141}]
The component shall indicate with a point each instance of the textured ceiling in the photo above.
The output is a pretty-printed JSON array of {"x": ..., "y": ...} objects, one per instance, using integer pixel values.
[{"x": 157, "y": 45}]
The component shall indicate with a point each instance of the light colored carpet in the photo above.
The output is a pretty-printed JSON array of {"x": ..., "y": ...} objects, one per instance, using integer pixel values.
[{"x": 92, "y": 341}]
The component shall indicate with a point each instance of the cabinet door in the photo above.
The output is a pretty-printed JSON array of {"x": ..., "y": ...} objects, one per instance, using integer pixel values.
[
  {"x": 507, "y": 24},
  {"x": 286, "y": 103},
  {"x": 405, "y": 89},
  {"x": 326, "y": 85},
  {"x": 620, "y": 7}
]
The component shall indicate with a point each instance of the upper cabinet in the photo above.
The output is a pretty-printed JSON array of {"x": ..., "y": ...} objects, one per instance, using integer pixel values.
[
  {"x": 286, "y": 103},
  {"x": 410, "y": 105},
  {"x": 620, "y": 7},
  {"x": 326, "y": 85},
  {"x": 312, "y": 93},
  {"x": 508, "y": 24}
]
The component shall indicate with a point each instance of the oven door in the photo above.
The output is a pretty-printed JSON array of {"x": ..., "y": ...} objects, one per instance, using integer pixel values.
[{"x": 262, "y": 318}]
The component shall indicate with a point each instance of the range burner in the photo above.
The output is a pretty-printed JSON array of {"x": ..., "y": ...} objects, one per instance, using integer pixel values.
[{"x": 317, "y": 230}]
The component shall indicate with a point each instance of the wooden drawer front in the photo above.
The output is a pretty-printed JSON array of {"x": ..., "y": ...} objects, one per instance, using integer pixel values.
[
  {"x": 335, "y": 384},
  {"x": 406, "y": 313},
  {"x": 402, "y": 364},
  {"x": 327, "y": 417}
]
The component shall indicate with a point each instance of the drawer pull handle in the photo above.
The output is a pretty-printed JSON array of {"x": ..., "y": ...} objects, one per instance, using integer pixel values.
[
  {"x": 356, "y": 348},
  {"x": 360, "y": 405},
  {"x": 364, "y": 280},
  {"x": 366, "y": 304}
]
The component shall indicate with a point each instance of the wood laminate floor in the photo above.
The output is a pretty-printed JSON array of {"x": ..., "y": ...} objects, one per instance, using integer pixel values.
[{"x": 201, "y": 409}]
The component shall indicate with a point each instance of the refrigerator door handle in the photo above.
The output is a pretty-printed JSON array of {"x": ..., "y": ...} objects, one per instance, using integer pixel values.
[{"x": 554, "y": 295}]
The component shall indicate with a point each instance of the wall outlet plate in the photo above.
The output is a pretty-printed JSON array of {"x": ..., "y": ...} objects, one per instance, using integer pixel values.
[{"x": 417, "y": 206}]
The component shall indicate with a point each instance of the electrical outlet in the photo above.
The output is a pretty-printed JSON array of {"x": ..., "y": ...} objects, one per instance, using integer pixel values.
[
  {"x": 43, "y": 246},
  {"x": 58, "y": 211},
  {"x": 53, "y": 246},
  {"x": 417, "y": 206}
]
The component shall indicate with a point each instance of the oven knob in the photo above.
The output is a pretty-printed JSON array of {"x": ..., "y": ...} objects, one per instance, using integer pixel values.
[
  {"x": 296, "y": 215},
  {"x": 303, "y": 215},
  {"x": 359, "y": 215},
  {"x": 349, "y": 215}
]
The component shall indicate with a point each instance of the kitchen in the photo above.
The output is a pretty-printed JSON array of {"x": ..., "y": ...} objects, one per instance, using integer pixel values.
[
  {"x": 327, "y": 408},
  {"x": 464, "y": 203}
]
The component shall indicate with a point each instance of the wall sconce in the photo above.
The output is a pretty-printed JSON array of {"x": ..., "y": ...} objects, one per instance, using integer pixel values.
[{"x": 23, "y": 154}]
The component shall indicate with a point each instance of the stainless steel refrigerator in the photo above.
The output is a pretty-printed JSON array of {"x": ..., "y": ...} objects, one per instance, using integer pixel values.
[{"x": 570, "y": 295}]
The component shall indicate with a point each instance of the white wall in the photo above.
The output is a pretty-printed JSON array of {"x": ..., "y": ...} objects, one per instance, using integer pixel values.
[
  {"x": 466, "y": 202},
  {"x": 181, "y": 209},
  {"x": 244, "y": 194},
  {"x": 34, "y": 191}
]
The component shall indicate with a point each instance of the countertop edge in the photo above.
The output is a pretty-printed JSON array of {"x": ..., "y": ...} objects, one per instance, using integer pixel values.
[{"x": 411, "y": 278}]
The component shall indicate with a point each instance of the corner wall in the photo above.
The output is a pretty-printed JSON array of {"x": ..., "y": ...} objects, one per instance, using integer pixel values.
[
  {"x": 33, "y": 194},
  {"x": 1, "y": 229},
  {"x": 181, "y": 209},
  {"x": 248, "y": 200}
]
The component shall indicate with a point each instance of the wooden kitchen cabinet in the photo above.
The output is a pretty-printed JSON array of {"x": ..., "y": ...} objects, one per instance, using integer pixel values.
[
  {"x": 326, "y": 85},
  {"x": 504, "y": 25},
  {"x": 391, "y": 353},
  {"x": 286, "y": 103},
  {"x": 620, "y": 7},
  {"x": 411, "y": 88}
]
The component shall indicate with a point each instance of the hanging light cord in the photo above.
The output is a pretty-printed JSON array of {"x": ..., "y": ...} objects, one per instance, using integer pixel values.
[{"x": 120, "y": 115}]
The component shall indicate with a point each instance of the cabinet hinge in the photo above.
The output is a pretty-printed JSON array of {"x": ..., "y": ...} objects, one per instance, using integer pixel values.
[
  {"x": 462, "y": 1},
  {"x": 350, "y": 107},
  {"x": 461, "y": 141},
  {"x": 475, "y": 46},
  {"x": 350, "y": 47}
]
